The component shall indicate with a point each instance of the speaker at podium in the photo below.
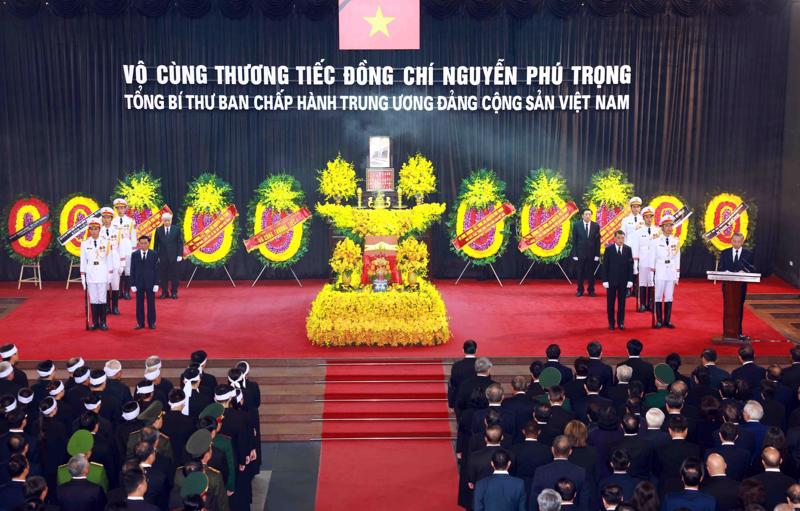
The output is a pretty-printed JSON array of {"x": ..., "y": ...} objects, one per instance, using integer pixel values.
[{"x": 733, "y": 296}]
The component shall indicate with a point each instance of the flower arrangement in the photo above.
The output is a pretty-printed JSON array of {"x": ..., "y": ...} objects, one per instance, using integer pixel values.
[
  {"x": 21, "y": 213},
  {"x": 668, "y": 203},
  {"x": 72, "y": 209},
  {"x": 345, "y": 261},
  {"x": 718, "y": 208},
  {"x": 417, "y": 177},
  {"x": 480, "y": 194},
  {"x": 276, "y": 197},
  {"x": 207, "y": 196},
  {"x": 358, "y": 223},
  {"x": 367, "y": 318},
  {"x": 545, "y": 194},
  {"x": 607, "y": 197},
  {"x": 142, "y": 191},
  {"x": 412, "y": 259},
  {"x": 337, "y": 181}
]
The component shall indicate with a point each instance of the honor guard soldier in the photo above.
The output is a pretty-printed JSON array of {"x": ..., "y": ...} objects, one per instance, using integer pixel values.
[
  {"x": 82, "y": 442},
  {"x": 96, "y": 268},
  {"x": 126, "y": 227},
  {"x": 152, "y": 418},
  {"x": 110, "y": 233},
  {"x": 633, "y": 221},
  {"x": 667, "y": 269},
  {"x": 642, "y": 244}
]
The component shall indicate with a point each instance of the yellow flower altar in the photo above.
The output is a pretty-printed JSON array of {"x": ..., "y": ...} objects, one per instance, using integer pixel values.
[{"x": 380, "y": 295}]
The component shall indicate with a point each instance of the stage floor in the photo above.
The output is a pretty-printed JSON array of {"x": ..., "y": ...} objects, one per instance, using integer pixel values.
[{"x": 268, "y": 321}]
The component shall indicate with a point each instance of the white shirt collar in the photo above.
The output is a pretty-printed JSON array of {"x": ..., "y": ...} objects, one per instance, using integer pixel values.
[
  {"x": 772, "y": 470},
  {"x": 531, "y": 439},
  {"x": 747, "y": 362},
  {"x": 594, "y": 358},
  {"x": 79, "y": 477},
  {"x": 469, "y": 356},
  {"x": 728, "y": 443},
  {"x": 494, "y": 404},
  {"x": 501, "y": 472},
  {"x": 135, "y": 498},
  {"x": 718, "y": 475},
  {"x": 633, "y": 356},
  {"x": 552, "y": 360},
  {"x": 492, "y": 445}
]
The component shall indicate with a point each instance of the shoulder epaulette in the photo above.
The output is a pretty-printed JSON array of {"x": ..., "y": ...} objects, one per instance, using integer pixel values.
[
  {"x": 212, "y": 469},
  {"x": 162, "y": 434},
  {"x": 97, "y": 464},
  {"x": 63, "y": 466},
  {"x": 134, "y": 432}
]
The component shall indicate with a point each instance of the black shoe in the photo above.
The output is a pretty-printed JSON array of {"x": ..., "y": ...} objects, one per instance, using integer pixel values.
[
  {"x": 579, "y": 293},
  {"x": 621, "y": 326},
  {"x": 658, "y": 316},
  {"x": 96, "y": 308},
  {"x": 115, "y": 303},
  {"x": 127, "y": 295},
  {"x": 611, "y": 327},
  {"x": 138, "y": 327},
  {"x": 103, "y": 312},
  {"x": 745, "y": 338},
  {"x": 164, "y": 295},
  {"x": 151, "y": 327},
  {"x": 592, "y": 293},
  {"x": 668, "y": 315},
  {"x": 174, "y": 295}
]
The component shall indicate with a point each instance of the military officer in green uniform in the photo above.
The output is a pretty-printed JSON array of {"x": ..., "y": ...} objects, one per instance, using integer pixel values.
[
  {"x": 211, "y": 419},
  {"x": 195, "y": 484},
  {"x": 199, "y": 448},
  {"x": 152, "y": 418},
  {"x": 664, "y": 378},
  {"x": 82, "y": 442}
]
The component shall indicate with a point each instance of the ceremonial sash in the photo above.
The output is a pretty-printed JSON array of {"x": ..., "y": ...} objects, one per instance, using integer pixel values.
[
  {"x": 277, "y": 229},
  {"x": 211, "y": 231},
  {"x": 681, "y": 216},
  {"x": 713, "y": 233},
  {"x": 28, "y": 228},
  {"x": 547, "y": 227},
  {"x": 608, "y": 230},
  {"x": 78, "y": 228},
  {"x": 483, "y": 226},
  {"x": 152, "y": 223}
]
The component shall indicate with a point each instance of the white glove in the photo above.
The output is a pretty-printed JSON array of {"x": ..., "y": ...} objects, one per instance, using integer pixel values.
[
  {"x": 629, "y": 285},
  {"x": 180, "y": 258},
  {"x": 605, "y": 285},
  {"x": 636, "y": 266},
  {"x": 155, "y": 289},
  {"x": 596, "y": 259},
  {"x": 133, "y": 288},
  {"x": 574, "y": 258},
  {"x": 83, "y": 281},
  {"x": 676, "y": 281}
]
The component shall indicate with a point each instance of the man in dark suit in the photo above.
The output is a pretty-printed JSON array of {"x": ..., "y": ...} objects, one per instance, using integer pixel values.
[
  {"x": 530, "y": 454},
  {"x": 494, "y": 395},
  {"x": 548, "y": 475},
  {"x": 691, "y": 497},
  {"x": 638, "y": 450},
  {"x": 559, "y": 416},
  {"x": 736, "y": 459},
  {"x": 586, "y": 250},
  {"x": 479, "y": 465},
  {"x": 12, "y": 493},
  {"x": 592, "y": 399},
  {"x": 642, "y": 371},
  {"x": 79, "y": 494},
  {"x": 597, "y": 367},
  {"x": 775, "y": 482},
  {"x": 144, "y": 280},
  {"x": 752, "y": 415},
  {"x": 575, "y": 390},
  {"x": 620, "y": 463},
  {"x": 135, "y": 484},
  {"x": 461, "y": 371},
  {"x": 617, "y": 278},
  {"x": 553, "y": 353},
  {"x": 749, "y": 371},
  {"x": 790, "y": 376},
  {"x": 169, "y": 246},
  {"x": 520, "y": 405},
  {"x": 500, "y": 491},
  {"x": 738, "y": 259},
  {"x": 669, "y": 459},
  {"x": 717, "y": 484},
  {"x": 477, "y": 385}
]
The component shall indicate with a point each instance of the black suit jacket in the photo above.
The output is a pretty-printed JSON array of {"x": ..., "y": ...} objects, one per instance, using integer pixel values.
[
  {"x": 522, "y": 406},
  {"x": 642, "y": 371},
  {"x": 169, "y": 247},
  {"x": 584, "y": 246},
  {"x": 530, "y": 455},
  {"x": 625, "y": 481},
  {"x": 12, "y": 494},
  {"x": 617, "y": 268},
  {"x": 722, "y": 488},
  {"x": 566, "y": 372},
  {"x": 602, "y": 372},
  {"x": 790, "y": 376},
  {"x": 144, "y": 273},
  {"x": 640, "y": 452},
  {"x": 81, "y": 495},
  {"x": 461, "y": 371},
  {"x": 745, "y": 262},
  {"x": 141, "y": 505},
  {"x": 776, "y": 484},
  {"x": 751, "y": 373},
  {"x": 668, "y": 462},
  {"x": 547, "y": 475}
]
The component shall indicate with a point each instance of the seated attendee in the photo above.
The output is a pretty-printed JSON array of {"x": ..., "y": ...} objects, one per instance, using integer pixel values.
[
  {"x": 519, "y": 405},
  {"x": 461, "y": 371},
  {"x": 553, "y": 353},
  {"x": 559, "y": 415},
  {"x": 500, "y": 491},
  {"x": 654, "y": 432},
  {"x": 597, "y": 367},
  {"x": 775, "y": 482},
  {"x": 546, "y": 476},
  {"x": 547, "y": 500},
  {"x": 642, "y": 371},
  {"x": 566, "y": 489},
  {"x": 530, "y": 454},
  {"x": 718, "y": 484},
  {"x": 639, "y": 450},
  {"x": 619, "y": 393},
  {"x": 12, "y": 493},
  {"x": 620, "y": 464},
  {"x": 673, "y": 405},
  {"x": 135, "y": 484},
  {"x": 611, "y": 497},
  {"x": 727, "y": 394},
  {"x": 737, "y": 460},
  {"x": 691, "y": 497},
  {"x": 708, "y": 359},
  {"x": 669, "y": 458},
  {"x": 748, "y": 370},
  {"x": 80, "y": 494}
]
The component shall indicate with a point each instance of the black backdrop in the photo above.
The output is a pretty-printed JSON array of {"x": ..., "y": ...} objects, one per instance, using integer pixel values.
[{"x": 706, "y": 111}]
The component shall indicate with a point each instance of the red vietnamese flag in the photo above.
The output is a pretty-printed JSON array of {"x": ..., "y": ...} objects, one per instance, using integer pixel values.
[{"x": 379, "y": 24}]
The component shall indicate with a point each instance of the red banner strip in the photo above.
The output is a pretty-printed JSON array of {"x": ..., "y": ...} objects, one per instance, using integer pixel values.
[
  {"x": 211, "y": 231},
  {"x": 483, "y": 226},
  {"x": 547, "y": 227},
  {"x": 152, "y": 223},
  {"x": 607, "y": 231},
  {"x": 277, "y": 229}
]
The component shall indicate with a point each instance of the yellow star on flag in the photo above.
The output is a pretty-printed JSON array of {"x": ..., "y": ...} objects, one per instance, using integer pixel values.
[{"x": 379, "y": 23}]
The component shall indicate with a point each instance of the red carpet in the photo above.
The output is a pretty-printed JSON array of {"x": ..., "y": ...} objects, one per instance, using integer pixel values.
[
  {"x": 268, "y": 321},
  {"x": 353, "y": 473}
]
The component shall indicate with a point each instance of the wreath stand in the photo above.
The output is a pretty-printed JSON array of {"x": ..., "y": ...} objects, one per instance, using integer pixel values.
[
  {"x": 224, "y": 267},
  {"x": 72, "y": 266},
  {"x": 467, "y": 266},
  {"x": 291, "y": 269},
  {"x": 558, "y": 263},
  {"x": 35, "y": 279}
]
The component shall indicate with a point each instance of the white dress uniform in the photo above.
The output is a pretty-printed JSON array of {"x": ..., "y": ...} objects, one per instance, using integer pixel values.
[
  {"x": 126, "y": 230},
  {"x": 642, "y": 245},
  {"x": 111, "y": 235},
  {"x": 667, "y": 265},
  {"x": 96, "y": 261},
  {"x": 630, "y": 224}
]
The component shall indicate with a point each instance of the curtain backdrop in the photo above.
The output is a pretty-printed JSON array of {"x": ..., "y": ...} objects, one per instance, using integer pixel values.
[{"x": 706, "y": 113}]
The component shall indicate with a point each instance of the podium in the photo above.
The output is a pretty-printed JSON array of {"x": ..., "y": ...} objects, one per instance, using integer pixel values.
[{"x": 732, "y": 302}]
